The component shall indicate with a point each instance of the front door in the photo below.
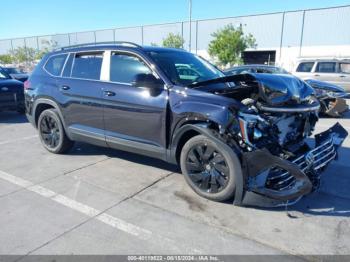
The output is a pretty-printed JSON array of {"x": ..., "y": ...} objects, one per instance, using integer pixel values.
[{"x": 134, "y": 117}]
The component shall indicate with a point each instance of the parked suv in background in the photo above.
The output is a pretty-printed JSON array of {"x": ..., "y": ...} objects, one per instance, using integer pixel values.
[
  {"x": 229, "y": 134},
  {"x": 334, "y": 71}
]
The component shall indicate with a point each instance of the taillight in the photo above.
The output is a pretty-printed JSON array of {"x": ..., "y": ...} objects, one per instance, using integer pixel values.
[{"x": 26, "y": 85}]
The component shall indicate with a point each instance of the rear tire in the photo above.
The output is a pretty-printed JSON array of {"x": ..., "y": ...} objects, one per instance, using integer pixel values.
[
  {"x": 52, "y": 134},
  {"x": 210, "y": 168}
]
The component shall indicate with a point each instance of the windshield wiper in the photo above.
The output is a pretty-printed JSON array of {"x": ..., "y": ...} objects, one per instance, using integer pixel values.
[{"x": 232, "y": 78}]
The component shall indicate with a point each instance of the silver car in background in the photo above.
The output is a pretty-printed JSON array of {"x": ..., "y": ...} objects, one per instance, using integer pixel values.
[{"x": 334, "y": 71}]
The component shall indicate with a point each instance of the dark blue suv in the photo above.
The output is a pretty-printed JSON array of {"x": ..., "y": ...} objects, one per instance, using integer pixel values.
[{"x": 230, "y": 134}]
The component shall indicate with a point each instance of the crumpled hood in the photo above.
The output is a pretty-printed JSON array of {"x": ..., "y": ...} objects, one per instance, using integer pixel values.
[
  {"x": 278, "y": 89},
  {"x": 274, "y": 89}
]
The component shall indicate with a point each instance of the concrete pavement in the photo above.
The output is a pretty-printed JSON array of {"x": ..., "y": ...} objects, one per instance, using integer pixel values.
[{"x": 101, "y": 201}]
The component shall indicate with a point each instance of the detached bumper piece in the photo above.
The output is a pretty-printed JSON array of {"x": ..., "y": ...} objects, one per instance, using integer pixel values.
[
  {"x": 337, "y": 108},
  {"x": 287, "y": 180}
]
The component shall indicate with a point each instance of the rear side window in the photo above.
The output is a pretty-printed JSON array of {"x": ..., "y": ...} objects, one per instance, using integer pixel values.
[
  {"x": 326, "y": 67},
  {"x": 344, "y": 68},
  {"x": 54, "y": 64},
  {"x": 87, "y": 66},
  {"x": 68, "y": 67},
  {"x": 124, "y": 68},
  {"x": 305, "y": 67}
]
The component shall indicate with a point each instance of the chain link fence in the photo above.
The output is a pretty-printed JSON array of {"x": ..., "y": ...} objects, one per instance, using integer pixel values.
[{"x": 297, "y": 29}]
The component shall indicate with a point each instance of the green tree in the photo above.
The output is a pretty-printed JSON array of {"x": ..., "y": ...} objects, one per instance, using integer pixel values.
[
  {"x": 6, "y": 59},
  {"x": 173, "y": 40},
  {"x": 229, "y": 43},
  {"x": 23, "y": 54}
]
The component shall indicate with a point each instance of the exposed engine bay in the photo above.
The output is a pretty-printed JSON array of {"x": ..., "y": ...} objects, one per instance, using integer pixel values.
[{"x": 278, "y": 114}]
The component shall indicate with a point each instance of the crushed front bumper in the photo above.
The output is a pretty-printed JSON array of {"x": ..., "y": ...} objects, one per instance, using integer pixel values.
[{"x": 287, "y": 180}]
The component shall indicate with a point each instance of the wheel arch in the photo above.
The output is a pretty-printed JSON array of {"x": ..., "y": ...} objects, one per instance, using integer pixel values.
[
  {"x": 186, "y": 132},
  {"x": 42, "y": 104},
  {"x": 189, "y": 130}
]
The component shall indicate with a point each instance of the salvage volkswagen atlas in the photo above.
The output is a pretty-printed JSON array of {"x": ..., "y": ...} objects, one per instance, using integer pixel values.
[{"x": 230, "y": 134}]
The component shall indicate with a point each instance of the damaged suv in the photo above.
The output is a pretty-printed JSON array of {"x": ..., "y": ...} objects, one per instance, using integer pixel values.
[{"x": 230, "y": 134}]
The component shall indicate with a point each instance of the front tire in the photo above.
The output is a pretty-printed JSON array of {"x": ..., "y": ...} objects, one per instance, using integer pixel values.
[
  {"x": 210, "y": 168},
  {"x": 52, "y": 134}
]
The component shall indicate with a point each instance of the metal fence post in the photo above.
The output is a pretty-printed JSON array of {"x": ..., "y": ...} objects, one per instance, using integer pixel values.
[
  {"x": 37, "y": 43},
  {"x": 11, "y": 41},
  {"x": 302, "y": 34},
  {"x": 196, "y": 36},
  {"x": 142, "y": 40},
  {"x": 182, "y": 33},
  {"x": 282, "y": 29}
]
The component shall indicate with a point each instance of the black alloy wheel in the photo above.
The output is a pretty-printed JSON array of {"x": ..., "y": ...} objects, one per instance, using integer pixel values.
[
  {"x": 210, "y": 167},
  {"x": 207, "y": 168},
  {"x": 51, "y": 132}
]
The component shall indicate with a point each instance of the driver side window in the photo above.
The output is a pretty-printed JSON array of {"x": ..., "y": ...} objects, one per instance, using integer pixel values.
[{"x": 124, "y": 68}]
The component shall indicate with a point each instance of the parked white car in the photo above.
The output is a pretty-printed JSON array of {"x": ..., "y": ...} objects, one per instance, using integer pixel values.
[{"x": 335, "y": 71}]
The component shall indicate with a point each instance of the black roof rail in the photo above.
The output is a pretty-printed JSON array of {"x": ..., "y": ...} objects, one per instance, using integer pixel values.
[{"x": 120, "y": 43}]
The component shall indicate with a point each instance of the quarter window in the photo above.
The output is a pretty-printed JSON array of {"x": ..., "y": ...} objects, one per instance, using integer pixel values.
[
  {"x": 326, "y": 67},
  {"x": 344, "y": 68},
  {"x": 124, "y": 68},
  {"x": 305, "y": 67},
  {"x": 87, "y": 66},
  {"x": 54, "y": 64}
]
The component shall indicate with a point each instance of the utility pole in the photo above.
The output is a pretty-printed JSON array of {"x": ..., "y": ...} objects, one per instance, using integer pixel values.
[{"x": 190, "y": 15}]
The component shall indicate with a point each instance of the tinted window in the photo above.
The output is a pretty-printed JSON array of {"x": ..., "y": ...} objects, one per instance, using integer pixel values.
[
  {"x": 12, "y": 70},
  {"x": 305, "y": 67},
  {"x": 326, "y": 67},
  {"x": 54, "y": 64},
  {"x": 344, "y": 68},
  {"x": 124, "y": 68},
  {"x": 68, "y": 67},
  {"x": 238, "y": 71},
  {"x": 3, "y": 74},
  {"x": 87, "y": 66}
]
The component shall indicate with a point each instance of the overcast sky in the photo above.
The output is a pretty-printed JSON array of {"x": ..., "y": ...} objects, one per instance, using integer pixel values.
[{"x": 39, "y": 17}]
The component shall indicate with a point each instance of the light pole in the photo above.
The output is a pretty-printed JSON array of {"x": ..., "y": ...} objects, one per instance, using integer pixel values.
[{"x": 190, "y": 15}]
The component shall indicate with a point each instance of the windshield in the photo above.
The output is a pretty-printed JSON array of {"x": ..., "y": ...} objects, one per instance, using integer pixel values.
[
  {"x": 3, "y": 74},
  {"x": 12, "y": 70},
  {"x": 271, "y": 70},
  {"x": 184, "y": 68}
]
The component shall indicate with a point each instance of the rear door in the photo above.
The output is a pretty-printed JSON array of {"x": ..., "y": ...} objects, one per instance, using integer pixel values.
[
  {"x": 135, "y": 118},
  {"x": 80, "y": 90},
  {"x": 326, "y": 71},
  {"x": 343, "y": 76}
]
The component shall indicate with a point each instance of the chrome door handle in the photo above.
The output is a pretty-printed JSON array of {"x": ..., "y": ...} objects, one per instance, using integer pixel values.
[
  {"x": 316, "y": 75},
  {"x": 342, "y": 76},
  {"x": 109, "y": 93}
]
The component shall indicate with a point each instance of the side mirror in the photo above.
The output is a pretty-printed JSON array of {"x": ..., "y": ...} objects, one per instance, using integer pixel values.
[{"x": 148, "y": 81}]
